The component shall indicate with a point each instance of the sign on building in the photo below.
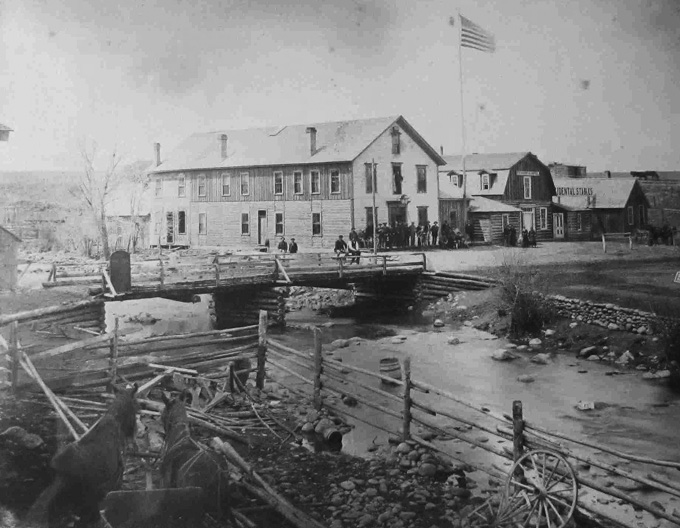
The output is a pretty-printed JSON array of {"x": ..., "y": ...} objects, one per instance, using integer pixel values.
[{"x": 574, "y": 191}]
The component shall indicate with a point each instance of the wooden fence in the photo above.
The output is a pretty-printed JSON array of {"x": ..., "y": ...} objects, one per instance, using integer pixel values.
[{"x": 325, "y": 377}]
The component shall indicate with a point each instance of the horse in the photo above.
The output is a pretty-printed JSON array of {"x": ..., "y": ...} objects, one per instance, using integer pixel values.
[
  {"x": 185, "y": 463},
  {"x": 89, "y": 468}
]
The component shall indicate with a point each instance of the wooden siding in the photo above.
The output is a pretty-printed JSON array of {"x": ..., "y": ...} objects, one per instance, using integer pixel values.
[
  {"x": 494, "y": 222},
  {"x": 542, "y": 186},
  {"x": 541, "y": 234},
  {"x": 446, "y": 207},
  {"x": 571, "y": 231},
  {"x": 262, "y": 184},
  {"x": 8, "y": 261}
]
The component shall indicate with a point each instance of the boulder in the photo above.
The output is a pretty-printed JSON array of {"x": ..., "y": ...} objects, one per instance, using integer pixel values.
[
  {"x": 308, "y": 427},
  {"x": 573, "y": 325},
  {"x": 613, "y": 326},
  {"x": 398, "y": 339},
  {"x": 403, "y": 448},
  {"x": 641, "y": 330},
  {"x": 541, "y": 359},
  {"x": 535, "y": 342},
  {"x": 587, "y": 351},
  {"x": 427, "y": 470},
  {"x": 625, "y": 358},
  {"x": 438, "y": 323},
  {"x": 452, "y": 340},
  {"x": 503, "y": 355},
  {"x": 549, "y": 332},
  {"x": 22, "y": 437},
  {"x": 348, "y": 485}
]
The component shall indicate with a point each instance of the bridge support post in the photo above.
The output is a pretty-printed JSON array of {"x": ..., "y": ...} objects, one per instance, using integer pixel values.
[
  {"x": 261, "y": 349},
  {"x": 318, "y": 367},
  {"x": 406, "y": 396}
]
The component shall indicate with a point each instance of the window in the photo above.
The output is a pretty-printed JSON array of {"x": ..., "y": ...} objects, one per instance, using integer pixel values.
[
  {"x": 279, "y": 223},
  {"x": 396, "y": 141},
  {"x": 396, "y": 178},
  {"x": 297, "y": 182},
  {"x": 335, "y": 182},
  {"x": 527, "y": 187},
  {"x": 245, "y": 224},
  {"x": 579, "y": 222},
  {"x": 316, "y": 182},
  {"x": 202, "y": 223},
  {"x": 461, "y": 180},
  {"x": 485, "y": 182},
  {"x": 181, "y": 223},
  {"x": 641, "y": 210},
  {"x": 182, "y": 186},
  {"x": 543, "y": 218},
  {"x": 631, "y": 220},
  {"x": 316, "y": 223},
  {"x": 422, "y": 215},
  {"x": 245, "y": 184},
  {"x": 201, "y": 185},
  {"x": 368, "y": 169},
  {"x": 159, "y": 186},
  {"x": 278, "y": 183},
  {"x": 226, "y": 184},
  {"x": 421, "y": 171},
  {"x": 369, "y": 219}
]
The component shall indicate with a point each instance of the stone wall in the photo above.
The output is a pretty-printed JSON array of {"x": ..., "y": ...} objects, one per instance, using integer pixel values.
[{"x": 607, "y": 315}]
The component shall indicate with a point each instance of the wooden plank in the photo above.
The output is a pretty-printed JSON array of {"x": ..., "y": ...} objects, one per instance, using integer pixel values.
[{"x": 70, "y": 347}]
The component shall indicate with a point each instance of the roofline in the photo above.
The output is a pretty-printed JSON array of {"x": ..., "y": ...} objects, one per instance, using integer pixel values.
[
  {"x": 239, "y": 167},
  {"x": 12, "y": 234}
]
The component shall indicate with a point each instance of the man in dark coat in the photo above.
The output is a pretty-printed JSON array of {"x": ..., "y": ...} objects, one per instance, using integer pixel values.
[
  {"x": 293, "y": 247},
  {"x": 283, "y": 245},
  {"x": 340, "y": 246},
  {"x": 532, "y": 237},
  {"x": 525, "y": 238},
  {"x": 412, "y": 234},
  {"x": 434, "y": 231}
]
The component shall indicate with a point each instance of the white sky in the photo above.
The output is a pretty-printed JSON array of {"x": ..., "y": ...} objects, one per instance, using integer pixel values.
[{"x": 594, "y": 82}]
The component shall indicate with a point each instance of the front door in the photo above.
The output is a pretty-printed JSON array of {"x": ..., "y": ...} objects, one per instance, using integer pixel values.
[
  {"x": 558, "y": 225},
  {"x": 261, "y": 227},
  {"x": 528, "y": 219},
  {"x": 396, "y": 213}
]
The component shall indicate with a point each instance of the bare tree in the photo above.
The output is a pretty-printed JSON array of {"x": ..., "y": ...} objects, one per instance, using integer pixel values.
[
  {"x": 136, "y": 174},
  {"x": 95, "y": 188}
]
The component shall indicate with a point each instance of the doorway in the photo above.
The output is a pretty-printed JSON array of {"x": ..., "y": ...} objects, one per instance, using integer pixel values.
[
  {"x": 396, "y": 213},
  {"x": 558, "y": 225},
  {"x": 528, "y": 219},
  {"x": 261, "y": 227}
]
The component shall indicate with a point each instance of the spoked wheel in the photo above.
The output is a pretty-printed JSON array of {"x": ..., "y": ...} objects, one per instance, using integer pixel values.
[
  {"x": 541, "y": 491},
  {"x": 483, "y": 516}
]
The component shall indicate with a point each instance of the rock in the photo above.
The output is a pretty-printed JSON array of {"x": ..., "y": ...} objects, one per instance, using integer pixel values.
[
  {"x": 384, "y": 517},
  {"x": 503, "y": 355},
  {"x": 308, "y": 427},
  {"x": 641, "y": 330},
  {"x": 625, "y": 358},
  {"x": 463, "y": 493},
  {"x": 613, "y": 326},
  {"x": 349, "y": 401},
  {"x": 22, "y": 437},
  {"x": 337, "y": 523},
  {"x": 549, "y": 332},
  {"x": 525, "y": 378},
  {"x": 467, "y": 323},
  {"x": 338, "y": 499},
  {"x": 522, "y": 347},
  {"x": 535, "y": 342},
  {"x": 348, "y": 485},
  {"x": 541, "y": 359},
  {"x": 585, "y": 406},
  {"x": 511, "y": 346},
  {"x": 438, "y": 323},
  {"x": 452, "y": 340},
  {"x": 403, "y": 448},
  {"x": 366, "y": 519},
  {"x": 371, "y": 492},
  {"x": 312, "y": 416},
  {"x": 407, "y": 515},
  {"x": 427, "y": 470},
  {"x": 398, "y": 340},
  {"x": 594, "y": 357},
  {"x": 659, "y": 374},
  {"x": 573, "y": 325},
  {"x": 323, "y": 424},
  {"x": 587, "y": 351}
]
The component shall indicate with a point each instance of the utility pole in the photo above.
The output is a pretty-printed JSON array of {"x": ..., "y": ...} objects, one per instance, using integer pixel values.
[{"x": 375, "y": 230}]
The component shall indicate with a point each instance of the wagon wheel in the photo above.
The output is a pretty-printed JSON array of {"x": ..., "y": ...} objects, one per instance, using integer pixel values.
[
  {"x": 483, "y": 516},
  {"x": 541, "y": 491}
]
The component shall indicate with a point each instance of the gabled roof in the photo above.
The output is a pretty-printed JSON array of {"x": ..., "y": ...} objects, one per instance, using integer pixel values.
[
  {"x": 489, "y": 162},
  {"x": 340, "y": 141},
  {"x": 4, "y": 128},
  {"x": 609, "y": 193},
  {"x": 10, "y": 233},
  {"x": 479, "y": 204}
]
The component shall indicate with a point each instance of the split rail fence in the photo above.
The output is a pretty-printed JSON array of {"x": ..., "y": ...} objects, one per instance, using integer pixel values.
[{"x": 327, "y": 378}]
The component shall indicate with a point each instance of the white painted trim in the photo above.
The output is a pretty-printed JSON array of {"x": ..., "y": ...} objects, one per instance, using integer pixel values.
[
  {"x": 205, "y": 185},
  {"x": 222, "y": 176},
  {"x": 330, "y": 181},
  {"x": 283, "y": 184},
  {"x": 240, "y": 183},
  {"x": 311, "y": 187},
  {"x": 182, "y": 186},
  {"x": 302, "y": 182}
]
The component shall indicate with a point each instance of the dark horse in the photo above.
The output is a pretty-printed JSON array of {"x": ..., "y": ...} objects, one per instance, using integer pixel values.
[
  {"x": 86, "y": 470},
  {"x": 185, "y": 463}
]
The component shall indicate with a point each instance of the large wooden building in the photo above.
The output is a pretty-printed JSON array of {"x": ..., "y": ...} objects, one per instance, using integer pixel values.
[
  {"x": 312, "y": 182},
  {"x": 519, "y": 182},
  {"x": 592, "y": 206}
]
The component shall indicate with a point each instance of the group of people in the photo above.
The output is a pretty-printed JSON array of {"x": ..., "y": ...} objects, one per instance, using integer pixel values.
[
  {"x": 283, "y": 246},
  {"x": 510, "y": 236},
  {"x": 401, "y": 235}
]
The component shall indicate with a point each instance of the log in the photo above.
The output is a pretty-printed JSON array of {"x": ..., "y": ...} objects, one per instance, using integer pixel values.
[
  {"x": 406, "y": 396},
  {"x": 72, "y": 282},
  {"x": 268, "y": 494},
  {"x": 32, "y": 314},
  {"x": 70, "y": 347}
]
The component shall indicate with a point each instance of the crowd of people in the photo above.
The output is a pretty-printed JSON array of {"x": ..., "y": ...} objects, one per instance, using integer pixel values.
[
  {"x": 528, "y": 237},
  {"x": 401, "y": 235}
]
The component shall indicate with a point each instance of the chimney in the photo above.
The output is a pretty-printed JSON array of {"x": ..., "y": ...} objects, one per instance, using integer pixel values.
[
  {"x": 157, "y": 148},
  {"x": 608, "y": 174},
  {"x": 441, "y": 149},
  {"x": 223, "y": 146},
  {"x": 312, "y": 140}
]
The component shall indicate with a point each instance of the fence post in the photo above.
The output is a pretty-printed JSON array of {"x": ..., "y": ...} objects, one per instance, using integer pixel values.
[
  {"x": 384, "y": 264},
  {"x": 604, "y": 244},
  {"x": 318, "y": 367},
  {"x": 160, "y": 261},
  {"x": 261, "y": 349},
  {"x": 517, "y": 430},
  {"x": 113, "y": 359},
  {"x": 54, "y": 272},
  {"x": 406, "y": 395},
  {"x": 217, "y": 272},
  {"x": 630, "y": 242},
  {"x": 14, "y": 355}
]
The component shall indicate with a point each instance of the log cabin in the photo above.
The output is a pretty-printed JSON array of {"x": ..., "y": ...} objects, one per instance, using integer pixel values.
[
  {"x": 312, "y": 182},
  {"x": 519, "y": 183}
]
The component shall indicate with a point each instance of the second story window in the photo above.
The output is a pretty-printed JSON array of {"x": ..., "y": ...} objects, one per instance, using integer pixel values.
[
  {"x": 368, "y": 168},
  {"x": 396, "y": 178},
  {"x": 396, "y": 141},
  {"x": 226, "y": 184},
  {"x": 527, "y": 187},
  {"x": 335, "y": 182},
  {"x": 297, "y": 182},
  {"x": 278, "y": 183},
  {"x": 316, "y": 182},
  {"x": 245, "y": 184},
  {"x": 485, "y": 182},
  {"x": 201, "y": 185},
  {"x": 421, "y": 171},
  {"x": 159, "y": 186},
  {"x": 182, "y": 186}
]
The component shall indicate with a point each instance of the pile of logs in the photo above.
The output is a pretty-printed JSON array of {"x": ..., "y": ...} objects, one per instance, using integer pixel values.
[
  {"x": 440, "y": 284},
  {"x": 83, "y": 314},
  {"x": 243, "y": 309}
]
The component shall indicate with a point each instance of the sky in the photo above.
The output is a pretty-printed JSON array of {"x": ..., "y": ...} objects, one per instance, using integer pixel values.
[{"x": 586, "y": 82}]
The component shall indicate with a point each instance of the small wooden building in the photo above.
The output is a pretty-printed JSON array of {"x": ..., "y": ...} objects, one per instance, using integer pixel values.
[
  {"x": 490, "y": 217},
  {"x": 592, "y": 206},
  {"x": 9, "y": 246}
]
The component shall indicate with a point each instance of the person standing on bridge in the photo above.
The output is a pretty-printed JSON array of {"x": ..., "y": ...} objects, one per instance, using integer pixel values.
[
  {"x": 293, "y": 247},
  {"x": 283, "y": 245}
]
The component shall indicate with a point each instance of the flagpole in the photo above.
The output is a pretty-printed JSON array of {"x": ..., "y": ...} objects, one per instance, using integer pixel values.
[
  {"x": 462, "y": 115},
  {"x": 374, "y": 182}
]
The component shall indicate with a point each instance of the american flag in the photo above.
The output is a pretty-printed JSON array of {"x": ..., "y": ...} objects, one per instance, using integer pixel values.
[{"x": 473, "y": 36}]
